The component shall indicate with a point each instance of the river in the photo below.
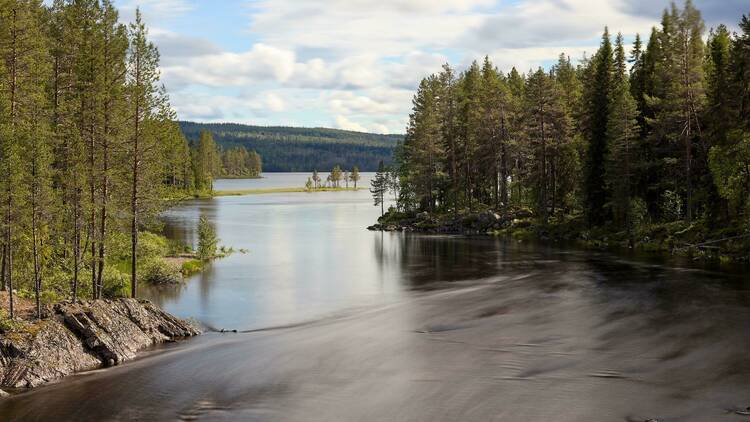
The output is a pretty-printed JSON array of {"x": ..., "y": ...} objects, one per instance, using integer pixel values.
[{"x": 339, "y": 323}]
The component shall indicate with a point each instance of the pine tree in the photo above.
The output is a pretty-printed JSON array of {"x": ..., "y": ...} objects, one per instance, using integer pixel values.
[
  {"x": 728, "y": 115},
  {"x": 144, "y": 98},
  {"x": 379, "y": 187},
  {"x": 205, "y": 159},
  {"x": 469, "y": 124},
  {"x": 423, "y": 145},
  {"x": 355, "y": 176},
  {"x": 316, "y": 179},
  {"x": 447, "y": 103},
  {"x": 495, "y": 133},
  {"x": 622, "y": 131},
  {"x": 336, "y": 176},
  {"x": 597, "y": 115},
  {"x": 25, "y": 155}
]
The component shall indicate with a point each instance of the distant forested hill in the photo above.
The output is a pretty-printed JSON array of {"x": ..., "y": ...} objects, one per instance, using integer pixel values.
[{"x": 302, "y": 149}]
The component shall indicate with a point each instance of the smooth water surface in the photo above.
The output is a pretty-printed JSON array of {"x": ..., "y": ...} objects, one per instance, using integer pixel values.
[
  {"x": 349, "y": 325},
  {"x": 297, "y": 256}
]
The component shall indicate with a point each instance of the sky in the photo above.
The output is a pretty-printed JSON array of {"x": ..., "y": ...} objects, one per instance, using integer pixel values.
[{"x": 355, "y": 64}]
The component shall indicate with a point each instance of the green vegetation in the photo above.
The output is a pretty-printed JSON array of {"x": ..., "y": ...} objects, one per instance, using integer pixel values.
[
  {"x": 301, "y": 149},
  {"x": 90, "y": 147},
  {"x": 379, "y": 187},
  {"x": 653, "y": 155},
  {"x": 191, "y": 267},
  {"x": 208, "y": 243}
]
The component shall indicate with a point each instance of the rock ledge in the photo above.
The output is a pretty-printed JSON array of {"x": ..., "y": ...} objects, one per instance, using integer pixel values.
[{"x": 82, "y": 336}]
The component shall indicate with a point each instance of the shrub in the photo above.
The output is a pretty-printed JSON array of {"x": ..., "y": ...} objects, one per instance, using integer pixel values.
[
  {"x": 207, "y": 240},
  {"x": 191, "y": 267}
]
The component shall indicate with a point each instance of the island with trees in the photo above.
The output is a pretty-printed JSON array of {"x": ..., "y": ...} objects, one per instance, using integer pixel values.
[{"x": 647, "y": 148}]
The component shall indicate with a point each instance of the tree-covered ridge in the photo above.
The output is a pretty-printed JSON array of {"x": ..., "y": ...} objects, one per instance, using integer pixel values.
[
  {"x": 89, "y": 146},
  {"x": 625, "y": 139},
  {"x": 301, "y": 149}
]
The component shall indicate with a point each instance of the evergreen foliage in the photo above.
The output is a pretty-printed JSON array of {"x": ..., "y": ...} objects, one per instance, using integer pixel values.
[
  {"x": 660, "y": 136},
  {"x": 88, "y": 147},
  {"x": 379, "y": 187}
]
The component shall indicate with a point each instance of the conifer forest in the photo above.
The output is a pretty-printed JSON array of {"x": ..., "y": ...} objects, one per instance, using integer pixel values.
[{"x": 629, "y": 138}]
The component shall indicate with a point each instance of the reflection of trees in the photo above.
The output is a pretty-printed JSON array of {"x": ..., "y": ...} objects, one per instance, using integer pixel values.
[
  {"x": 181, "y": 223},
  {"x": 164, "y": 293},
  {"x": 205, "y": 282},
  {"x": 425, "y": 259}
]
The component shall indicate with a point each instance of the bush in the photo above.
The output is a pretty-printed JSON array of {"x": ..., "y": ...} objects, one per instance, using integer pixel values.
[
  {"x": 191, "y": 267},
  {"x": 156, "y": 271},
  {"x": 671, "y": 206},
  {"x": 638, "y": 212},
  {"x": 7, "y": 324}
]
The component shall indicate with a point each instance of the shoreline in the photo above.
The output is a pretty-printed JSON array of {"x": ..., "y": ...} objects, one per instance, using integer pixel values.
[
  {"x": 79, "y": 337},
  {"x": 263, "y": 191},
  {"x": 676, "y": 239}
]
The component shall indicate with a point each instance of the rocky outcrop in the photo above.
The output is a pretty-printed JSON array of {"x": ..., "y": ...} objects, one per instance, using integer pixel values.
[
  {"x": 82, "y": 336},
  {"x": 475, "y": 223}
]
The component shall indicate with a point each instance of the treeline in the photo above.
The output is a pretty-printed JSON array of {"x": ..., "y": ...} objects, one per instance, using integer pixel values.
[
  {"x": 334, "y": 179},
  {"x": 660, "y": 133},
  {"x": 210, "y": 161},
  {"x": 286, "y": 149},
  {"x": 89, "y": 146},
  {"x": 238, "y": 162}
]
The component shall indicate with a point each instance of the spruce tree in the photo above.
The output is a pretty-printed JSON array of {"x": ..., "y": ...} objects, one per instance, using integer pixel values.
[
  {"x": 622, "y": 131},
  {"x": 597, "y": 116}
]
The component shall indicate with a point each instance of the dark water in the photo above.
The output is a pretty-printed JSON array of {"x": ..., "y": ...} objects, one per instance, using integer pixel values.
[{"x": 355, "y": 325}]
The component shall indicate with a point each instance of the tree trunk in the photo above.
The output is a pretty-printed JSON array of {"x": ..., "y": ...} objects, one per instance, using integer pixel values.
[
  {"x": 76, "y": 241},
  {"x": 9, "y": 252},
  {"x": 35, "y": 239},
  {"x": 3, "y": 285}
]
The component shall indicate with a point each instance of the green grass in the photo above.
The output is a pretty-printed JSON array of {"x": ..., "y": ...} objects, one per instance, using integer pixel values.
[
  {"x": 278, "y": 190},
  {"x": 191, "y": 267}
]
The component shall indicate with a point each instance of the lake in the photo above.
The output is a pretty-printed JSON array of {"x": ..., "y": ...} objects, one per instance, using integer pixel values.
[{"x": 339, "y": 323}]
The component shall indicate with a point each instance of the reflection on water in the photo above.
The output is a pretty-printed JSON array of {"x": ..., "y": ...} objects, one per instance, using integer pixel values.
[
  {"x": 421, "y": 328},
  {"x": 308, "y": 255}
]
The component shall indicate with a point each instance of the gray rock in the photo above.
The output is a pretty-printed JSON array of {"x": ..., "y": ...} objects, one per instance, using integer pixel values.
[{"x": 83, "y": 336}]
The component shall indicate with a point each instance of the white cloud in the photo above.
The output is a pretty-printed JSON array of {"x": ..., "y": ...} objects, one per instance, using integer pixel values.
[
  {"x": 153, "y": 11},
  {"x": 343, "y": 123},
  {"x": 356, "y": 63},
  {"x": 274, "y": 102},
  {"x": 262, "y": 62}
]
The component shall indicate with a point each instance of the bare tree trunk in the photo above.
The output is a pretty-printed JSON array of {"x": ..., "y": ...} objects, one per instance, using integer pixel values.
[
  {"x": 134, "y": 208},
  {"x": 92, "y": 218},
  {"x": 76, "y": 241},
  {"x": 9, "y": 252},
  {"x": 3, "y": 285},
  {"x": 34, "y": 240},
  {"x": 103, "y": 215}
]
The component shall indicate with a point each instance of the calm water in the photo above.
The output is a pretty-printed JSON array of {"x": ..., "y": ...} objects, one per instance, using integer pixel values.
[
  {"x": 307, "y": 255},
  {"x": 346, "y": 324}
]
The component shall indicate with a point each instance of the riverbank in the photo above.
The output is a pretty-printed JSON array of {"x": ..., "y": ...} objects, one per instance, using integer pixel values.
[
  {"x": 82, "y": 336},
  {"x": 499, "y": 330},
  {"x": 692, "y": 240},
  {"x": 242, "y": 192}
]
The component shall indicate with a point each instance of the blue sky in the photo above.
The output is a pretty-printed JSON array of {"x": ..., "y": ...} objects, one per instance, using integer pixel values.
[{"x": 354, "y": 64}]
